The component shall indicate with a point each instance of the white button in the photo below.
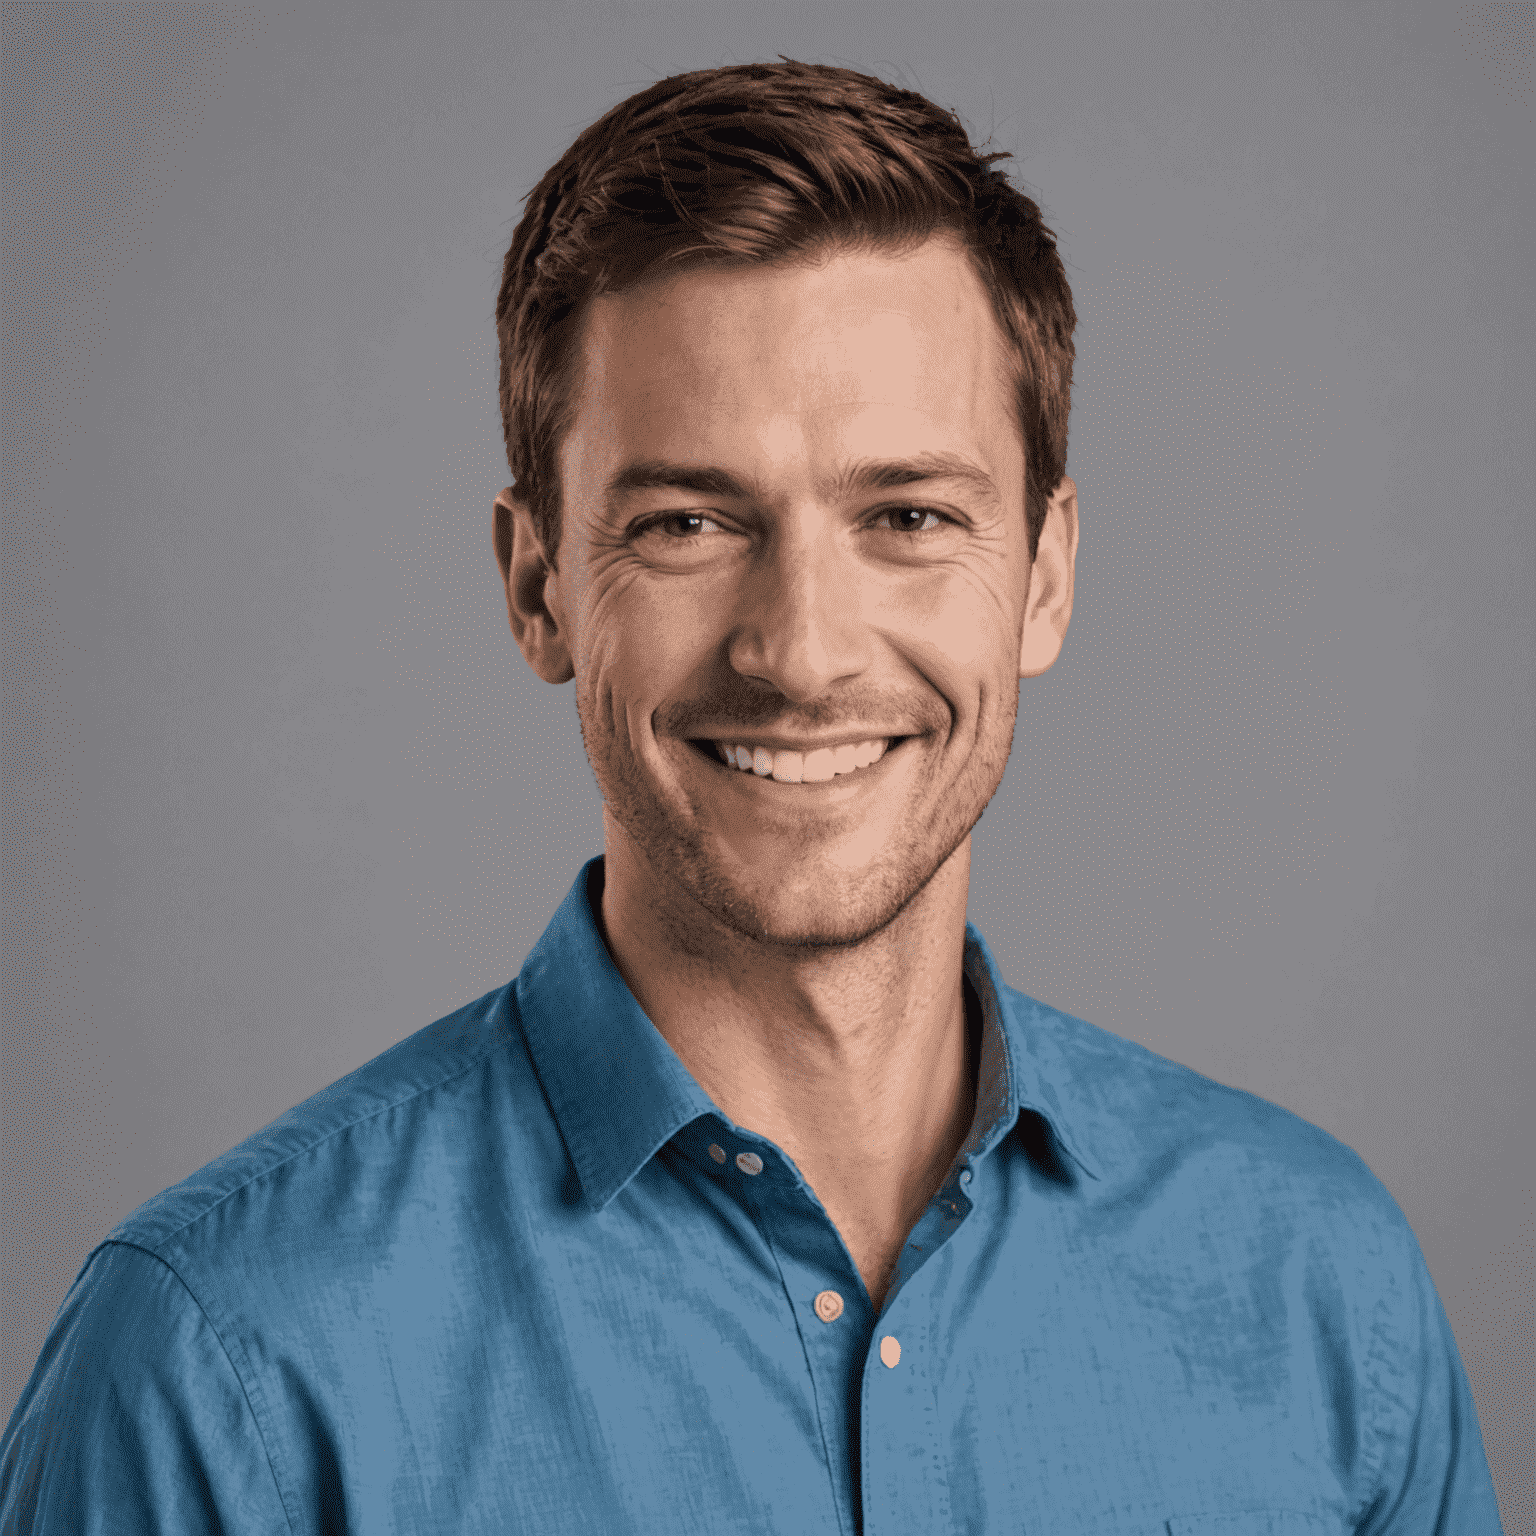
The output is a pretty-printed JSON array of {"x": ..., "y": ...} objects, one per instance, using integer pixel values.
[
  {"x": 749, "y": 1162},
  {"x": 965, "y": 1176},
  {"x": 890, "y": 1352},
  {"x": 718, "y": 1153},
  {"x": 829, "y": 1306}
]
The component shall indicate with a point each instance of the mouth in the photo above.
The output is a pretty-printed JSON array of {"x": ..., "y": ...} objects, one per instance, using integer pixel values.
[{"x": 786, "y": 766}]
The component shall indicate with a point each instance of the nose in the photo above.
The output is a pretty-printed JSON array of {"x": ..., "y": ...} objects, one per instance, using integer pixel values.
[{"x": 798, "y": 626}]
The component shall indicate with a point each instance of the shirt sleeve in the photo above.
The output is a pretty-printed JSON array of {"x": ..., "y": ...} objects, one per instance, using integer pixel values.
[
  {"x": 134, "y": 1419},
  {"x": 1434, "y": 1478}
]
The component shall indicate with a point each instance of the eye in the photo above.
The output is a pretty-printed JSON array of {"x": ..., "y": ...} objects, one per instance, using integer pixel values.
[
  {"x": 679, "y": 525},
  {"x": 911, "y": 519}
]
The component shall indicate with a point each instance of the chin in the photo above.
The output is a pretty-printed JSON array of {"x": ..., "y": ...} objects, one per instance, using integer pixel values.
[
  {"x": 815, "y": 913},
  {"x": 819, "y": 906}
]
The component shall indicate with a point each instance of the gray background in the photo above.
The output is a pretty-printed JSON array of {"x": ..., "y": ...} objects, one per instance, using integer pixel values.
[{"x": 279, "y": 789}]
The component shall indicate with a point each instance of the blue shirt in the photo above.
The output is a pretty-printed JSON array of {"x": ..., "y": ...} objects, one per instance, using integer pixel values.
[{"x": 519, "y": 1274}]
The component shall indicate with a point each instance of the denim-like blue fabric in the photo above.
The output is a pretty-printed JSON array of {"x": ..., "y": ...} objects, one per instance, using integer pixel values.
[{"x": 497, "y": 1281}]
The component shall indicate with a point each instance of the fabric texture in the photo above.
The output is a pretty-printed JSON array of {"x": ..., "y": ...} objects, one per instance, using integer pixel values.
[{"x": 518, "y": 1274}]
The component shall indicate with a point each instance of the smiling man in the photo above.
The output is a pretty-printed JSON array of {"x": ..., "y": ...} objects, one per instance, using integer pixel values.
[
  {"x": 794, "y": 584},
  {"x": 758, "y": 1201}
]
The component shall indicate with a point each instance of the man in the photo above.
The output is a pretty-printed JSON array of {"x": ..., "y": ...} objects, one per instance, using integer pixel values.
[{"x": 758, "y": 1201}]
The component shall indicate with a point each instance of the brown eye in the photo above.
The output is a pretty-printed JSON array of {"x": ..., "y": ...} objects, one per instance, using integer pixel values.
[
  {"x": 682, "y": 525},
  {"x": 912, "y": 519}
]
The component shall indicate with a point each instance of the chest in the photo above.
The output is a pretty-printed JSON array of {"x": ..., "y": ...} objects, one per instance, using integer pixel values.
[{"x": 679, "y": 1367}]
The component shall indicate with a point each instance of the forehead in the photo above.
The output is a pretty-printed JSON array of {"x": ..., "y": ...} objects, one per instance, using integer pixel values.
[{"x": 779, "y": 371}]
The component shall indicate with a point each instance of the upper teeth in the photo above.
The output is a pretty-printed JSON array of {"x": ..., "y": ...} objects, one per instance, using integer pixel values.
[{"x": 802, "y": 768}]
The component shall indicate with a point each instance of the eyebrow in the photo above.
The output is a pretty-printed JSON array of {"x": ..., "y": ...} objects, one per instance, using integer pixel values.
[
  {"x": 890, "y": 474},
  {"x": 865, "y": 475},
  {"x": 661, "y": 475}
]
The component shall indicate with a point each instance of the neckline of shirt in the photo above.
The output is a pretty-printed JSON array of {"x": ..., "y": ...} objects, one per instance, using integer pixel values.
[{"x": 619, "y": 1092}]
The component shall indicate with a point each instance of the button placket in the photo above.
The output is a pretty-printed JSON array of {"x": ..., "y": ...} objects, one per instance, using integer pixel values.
[
  {"x": 823, "y": 1293},
  {"x": 903, "y": 1480}
]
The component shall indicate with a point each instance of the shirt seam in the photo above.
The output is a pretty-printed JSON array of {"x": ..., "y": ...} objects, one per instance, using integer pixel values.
[
  {"x": 1375, "y": 1437},
  {"x": 254, "y": 1401},
  {"x": 1388, "y": 1418},
  {"x": 1374, "y": 1460},
  {"x": 320, "y": 1141}
]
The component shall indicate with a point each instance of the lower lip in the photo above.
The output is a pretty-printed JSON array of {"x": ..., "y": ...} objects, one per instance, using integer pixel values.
[{"x": 843, "y": 781}]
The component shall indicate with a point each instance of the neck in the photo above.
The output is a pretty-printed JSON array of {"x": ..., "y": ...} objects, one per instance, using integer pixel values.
[{"x": 854, "y": 1061}]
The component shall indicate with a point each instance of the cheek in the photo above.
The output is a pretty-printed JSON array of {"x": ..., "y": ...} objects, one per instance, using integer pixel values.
[
  {"x": 956, "y": 621},
  {"x": 640, "y": 641},
  {"x": 605, "y": 640}
]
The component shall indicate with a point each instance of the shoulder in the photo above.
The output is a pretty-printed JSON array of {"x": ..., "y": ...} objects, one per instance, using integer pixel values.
[
  {"x": 134, "y": 1417},
  {"x": 160, "y": 1355},
  {"x": 1260, "y": 1242},
  {"x": 1157, "y": 1124},
  {"x": 430, "y": 1084},
  {"x": 1211, "y": 1191}
]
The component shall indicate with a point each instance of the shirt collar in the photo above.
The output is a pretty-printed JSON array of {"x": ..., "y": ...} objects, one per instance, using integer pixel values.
[
  {"x": 619, "y": 1092},
  {"x": 1022, "y": 1065}
]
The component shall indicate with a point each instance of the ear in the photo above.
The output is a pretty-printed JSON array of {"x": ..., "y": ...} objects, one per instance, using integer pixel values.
[
  {"x": 1048, "y": 607},
  {"x": 534, "y": 601}
]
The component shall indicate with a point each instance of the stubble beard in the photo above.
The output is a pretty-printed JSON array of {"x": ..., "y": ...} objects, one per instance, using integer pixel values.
[{"x": 678, "y": 855}]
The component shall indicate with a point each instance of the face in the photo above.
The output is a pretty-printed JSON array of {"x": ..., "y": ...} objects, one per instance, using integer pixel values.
[{"x": 793, "y": 525}]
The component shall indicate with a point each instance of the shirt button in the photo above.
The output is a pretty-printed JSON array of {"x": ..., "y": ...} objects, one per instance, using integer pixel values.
[
  {"x": 829, "y": 1306},
  {"x": 749, "y": 1162},
  {"x": 890, "y": 1352},
  {"x": 718, "y": 1153},
  {"x": 965, "y": 1176}
]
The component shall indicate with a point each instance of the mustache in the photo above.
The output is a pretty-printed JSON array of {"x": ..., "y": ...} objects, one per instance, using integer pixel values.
[{"x": 740, "y": 704}]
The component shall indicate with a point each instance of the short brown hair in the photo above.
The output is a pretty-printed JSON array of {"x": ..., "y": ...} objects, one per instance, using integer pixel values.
[{"x": 753, "y": 163}]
